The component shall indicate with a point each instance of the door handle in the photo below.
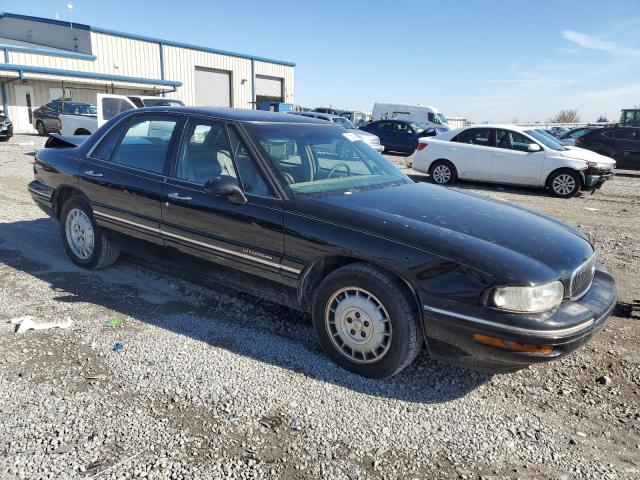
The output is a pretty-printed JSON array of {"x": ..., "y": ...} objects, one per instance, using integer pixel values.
[
  {"x": 91, "y": 173},
  {"x": 176, "y": 196}
]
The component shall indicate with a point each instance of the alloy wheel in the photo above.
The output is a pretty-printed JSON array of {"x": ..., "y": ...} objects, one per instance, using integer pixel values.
[
  {"x": 564, "y": 184},
  {"x": 358, "y": 325},
  {"x": 441, "y": 174}
]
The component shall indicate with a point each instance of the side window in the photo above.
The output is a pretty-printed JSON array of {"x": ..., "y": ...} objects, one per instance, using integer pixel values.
[
  {"x": 475, "y": 136},
  {"x": 431, "y": 117},
  {"x": 146, "y": 143},
  {"x": 385, "y": 126},
  {"x": 625, "y": 134},
  {"x": 511, "y": 140},
  {"x": 403, "y": 128},
  {"x": 205, "y": 154},
  {"x": 250, "y": 175},
  {"x": 105, "y": 148}
]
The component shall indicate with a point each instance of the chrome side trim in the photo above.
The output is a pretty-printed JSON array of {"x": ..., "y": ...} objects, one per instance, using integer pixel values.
[
  {"x": 40, "y": 194},
  {"x": 128, "y": 222},
  {"x": 560, "y": 332},
  {"x": 197, "y": 242}
]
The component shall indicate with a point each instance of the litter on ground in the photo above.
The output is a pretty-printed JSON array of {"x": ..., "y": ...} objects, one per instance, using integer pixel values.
[{"x": 28, "y": 323}]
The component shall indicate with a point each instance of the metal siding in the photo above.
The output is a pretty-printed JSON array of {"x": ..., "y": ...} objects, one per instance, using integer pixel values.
[{"x": 57, "y": 36}]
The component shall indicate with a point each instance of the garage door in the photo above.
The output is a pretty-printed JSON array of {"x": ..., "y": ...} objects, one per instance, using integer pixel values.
[
  {"x": 269, "y": 87},
  {"x": 213, "y": 87}
]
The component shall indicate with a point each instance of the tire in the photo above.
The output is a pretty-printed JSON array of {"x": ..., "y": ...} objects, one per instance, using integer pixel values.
[
  {"x": 99, "y": 252},
  {"x": 442, "y": 172},
  {"x": 565, "y": 183},
  {"x": 42, "y": 130},
  {"x": 361, "y": 306}
]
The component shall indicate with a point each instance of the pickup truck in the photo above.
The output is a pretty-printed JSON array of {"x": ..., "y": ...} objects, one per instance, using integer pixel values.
[{"x": 108, "y": 107}]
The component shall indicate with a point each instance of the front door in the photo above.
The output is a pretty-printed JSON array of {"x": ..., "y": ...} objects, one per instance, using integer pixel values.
[
  {"x": 247, "y": 238},
  {"x": 513, "y": 163},
  {"x": 628, "y": 144},
  {"x": 124, "y": 174},
  {"x": 24, "y": 107}
]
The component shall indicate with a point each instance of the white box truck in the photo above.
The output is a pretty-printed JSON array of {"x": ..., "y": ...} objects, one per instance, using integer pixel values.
[{"x": 426, "y": 114}]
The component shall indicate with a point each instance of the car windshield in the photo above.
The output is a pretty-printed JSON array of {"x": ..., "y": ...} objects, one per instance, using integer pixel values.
[
  {"x": 419, "y": 127},
  {"x": 546, "y": 139},
  {"x": 317, "y": 159},
  {"x": 442, "y": 118},
  {"x": 161, "y": 102},
  {"x": 343, "y": 122}
]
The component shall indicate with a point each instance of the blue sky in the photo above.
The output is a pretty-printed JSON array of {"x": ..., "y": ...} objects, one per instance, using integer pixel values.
[{"x": 486, "y": 60}]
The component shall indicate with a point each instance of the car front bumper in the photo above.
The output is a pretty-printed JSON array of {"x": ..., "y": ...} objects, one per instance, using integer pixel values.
[
  {"x": 451, "y": 333},
  {"x": 6, "y": 131},
  {"x": 595, "y": 178}
]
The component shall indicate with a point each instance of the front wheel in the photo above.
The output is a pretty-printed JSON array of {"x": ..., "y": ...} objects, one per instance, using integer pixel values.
[
  {"x": 565, "y": 183},
  {"x": 365, "y": 321},
  {"x": 443, "y": 172},
  {"x": 83, "y": 239}
]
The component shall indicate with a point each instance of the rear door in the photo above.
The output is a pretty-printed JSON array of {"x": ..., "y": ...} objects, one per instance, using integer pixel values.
[
  {"x": 471, "y": 152},
  {"x": 245, "y": 237},
  {"x": 513, "y": 163},
  {"x": 123, "y": 175},
  {"x": 627, "y": 141},
  {"x": 110, "y": 105}
]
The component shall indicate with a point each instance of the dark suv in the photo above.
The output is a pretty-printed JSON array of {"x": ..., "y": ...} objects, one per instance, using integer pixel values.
[{"x": 619, "y": 143}]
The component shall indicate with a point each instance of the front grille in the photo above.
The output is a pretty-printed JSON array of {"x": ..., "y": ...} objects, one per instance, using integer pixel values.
[{"x": 582, "y": 278}]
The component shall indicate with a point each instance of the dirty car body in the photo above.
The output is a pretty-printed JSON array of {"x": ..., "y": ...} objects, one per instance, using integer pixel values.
[{"x": 294, "y": 210}]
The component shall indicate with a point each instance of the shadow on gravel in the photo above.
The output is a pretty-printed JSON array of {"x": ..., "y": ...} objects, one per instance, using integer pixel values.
[{"x": 234, "y": 321}]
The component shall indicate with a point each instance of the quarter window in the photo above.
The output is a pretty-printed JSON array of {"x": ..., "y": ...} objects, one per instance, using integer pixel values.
[
  {"x": 105, "y": 148},
  {"x": 206, "y": 153},
  {"x": 146, "y": 143}
]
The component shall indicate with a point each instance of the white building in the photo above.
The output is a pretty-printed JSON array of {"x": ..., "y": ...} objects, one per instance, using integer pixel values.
[{"x": 43, "y": 59}]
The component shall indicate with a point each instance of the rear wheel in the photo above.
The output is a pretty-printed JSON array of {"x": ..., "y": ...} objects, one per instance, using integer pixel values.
[
  {"x": 443, "y": 172},
  {"x": 83, "y": 239},
  {"x": 42, "y": 130},
  {"x": 565, "y": 183},
  {"x": 365, "y": 321}
]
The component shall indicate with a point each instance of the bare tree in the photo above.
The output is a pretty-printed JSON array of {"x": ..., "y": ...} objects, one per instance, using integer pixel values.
[
  {"x": 602, "y": 119},
  {"x": 566, "y": 116}
]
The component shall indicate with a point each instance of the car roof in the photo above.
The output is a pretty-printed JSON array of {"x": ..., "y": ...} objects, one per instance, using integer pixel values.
[
  {"x": 327, "y": 116},
  {"x": 237, "y": 114}
]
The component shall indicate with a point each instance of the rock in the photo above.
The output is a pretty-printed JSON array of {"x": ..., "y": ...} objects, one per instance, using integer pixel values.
[{"x": 604, "y": 380}]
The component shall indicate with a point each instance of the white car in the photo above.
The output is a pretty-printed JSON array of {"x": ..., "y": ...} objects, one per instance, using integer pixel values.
[{"x": 511, "y": 155}]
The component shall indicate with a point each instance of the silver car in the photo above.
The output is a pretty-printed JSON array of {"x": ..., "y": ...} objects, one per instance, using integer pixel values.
[{"x": 369, "y": 138}]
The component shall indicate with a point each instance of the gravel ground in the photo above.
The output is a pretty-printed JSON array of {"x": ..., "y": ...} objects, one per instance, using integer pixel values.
[{"x": 214, "y": 384}]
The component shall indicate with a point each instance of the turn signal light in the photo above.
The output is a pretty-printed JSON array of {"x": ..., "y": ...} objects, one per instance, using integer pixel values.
[
  {"x": 510, "y": 345},
  {"x": 422, "y": 146}
]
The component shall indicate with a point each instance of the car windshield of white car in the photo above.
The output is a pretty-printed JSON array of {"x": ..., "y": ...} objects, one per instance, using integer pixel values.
[
  {"x": 316, "y": 159},
  {"x": 547, "y": 141}
]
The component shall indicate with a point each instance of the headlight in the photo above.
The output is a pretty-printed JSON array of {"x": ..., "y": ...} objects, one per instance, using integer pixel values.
[
  {"x": 600, "y": 166},
  {"x": 528, "y": 299}
]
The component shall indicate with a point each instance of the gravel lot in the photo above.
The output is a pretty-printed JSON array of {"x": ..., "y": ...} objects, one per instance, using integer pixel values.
[{"x": 215, "y": 384}]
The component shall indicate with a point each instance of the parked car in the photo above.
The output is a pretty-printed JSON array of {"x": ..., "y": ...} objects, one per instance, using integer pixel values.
[
  {"x": 399, "y": 135},
  {"x": 557, "y": 131},
  {"x": 357, "y": 118},
  {"x": 77, "y": 124},
  {"x": 569, "y": 138},
  {"x": 329, "y": 110},
  {"x": 370, "y": 139},
  {"x": 45, "y": 118},
  {"x": 288, "y": 208},
  {"x": 424, "y": 114},
  {"x": 511, "y": 155},
  {"x": 619, "y": 143},
  {"x": 6, "y": 127}
]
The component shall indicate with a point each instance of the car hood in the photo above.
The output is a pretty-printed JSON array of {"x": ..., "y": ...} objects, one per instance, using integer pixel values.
[
  {"x": 513, "y": 244},
  {"x": 577, "y": 153},
  {"x": 365, "y": 136}
]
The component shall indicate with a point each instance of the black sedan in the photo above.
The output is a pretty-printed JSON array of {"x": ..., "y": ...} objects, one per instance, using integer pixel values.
[
  {"x": 298, "y": 211},
  {"x": 6, "y": 128}
]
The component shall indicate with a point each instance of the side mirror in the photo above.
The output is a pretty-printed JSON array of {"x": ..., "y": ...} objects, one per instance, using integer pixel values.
[
  {"x": 533, "y": 147},
  {"x": 226, "y": 185}
]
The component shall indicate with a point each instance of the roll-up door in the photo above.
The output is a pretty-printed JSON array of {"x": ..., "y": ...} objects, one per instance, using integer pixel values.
[
  {"x": 213, "y": 87},
  {"x": 269, "y": 87}
]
